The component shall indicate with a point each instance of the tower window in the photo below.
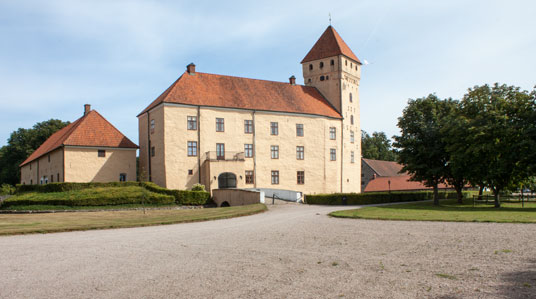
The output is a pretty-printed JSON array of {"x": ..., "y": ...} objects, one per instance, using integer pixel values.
[
  {"x": 309, "y": 80},
  {"x": 322, "y": 78},
  {"x": 356, "y": 67},
  {"x": 327, "y": 77},
  {"x": 351, "y": 65},
  {"x": 310, "y": 67},
  {"x": 332, "y": 62},
  {"x": 350, "y": 97},
  {"x": 346, "y": 62},
  {"x": 321, "y": 64},
  {"x": 352, "y": 119}
]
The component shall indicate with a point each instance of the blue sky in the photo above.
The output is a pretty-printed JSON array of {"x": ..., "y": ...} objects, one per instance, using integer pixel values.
[{"x": 119, "y": 56}]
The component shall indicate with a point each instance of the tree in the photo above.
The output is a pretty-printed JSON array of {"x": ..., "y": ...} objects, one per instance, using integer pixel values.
[
  {"x": 21, "y": 144},
  {"x": 377, "y": 147},
  {"x": 500, "y": 134},
  {"x": 421, "y": 146}
]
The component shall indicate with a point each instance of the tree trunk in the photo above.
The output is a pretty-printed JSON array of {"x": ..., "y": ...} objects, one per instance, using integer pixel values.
[
  {"x": 436, "y": 196},
  {"x": 459, "y": 193},
  {"x": 480, "y": 191},
  {"x": 497, "y": 202}
]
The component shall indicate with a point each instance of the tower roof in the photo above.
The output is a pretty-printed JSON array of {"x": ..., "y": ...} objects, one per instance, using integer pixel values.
[
  {"x": 90, "y": 130},
  {"x": 328, "y": 45}
]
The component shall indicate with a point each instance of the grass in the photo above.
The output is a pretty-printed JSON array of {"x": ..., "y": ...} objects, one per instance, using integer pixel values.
[
  {"x": 61, "y": 222},
  {"x": 447, "y": 276},
  {"x": 448, "y": 210},
  {"x": 83, "y": 208}
]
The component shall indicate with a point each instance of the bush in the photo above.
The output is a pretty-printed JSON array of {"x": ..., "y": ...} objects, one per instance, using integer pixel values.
[
  {"x": 182, "y": 197},
  {"x": 7, "y": 189},
  {"x": 377, "y": 197},
  {"x": 62, "y": 187},
  {"x": 97, "y": 196},
  {"x": 198, "y": 187}
]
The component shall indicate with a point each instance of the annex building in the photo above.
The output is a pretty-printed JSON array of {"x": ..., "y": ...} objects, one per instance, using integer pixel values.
[
  {"x": 89, "y": 149},
  {"x": 226, "y": 132}
]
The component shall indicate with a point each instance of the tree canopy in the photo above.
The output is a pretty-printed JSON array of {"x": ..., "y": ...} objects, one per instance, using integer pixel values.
[
  {"x": 377, "y": 147},
  {"x": 21, "y": 144}
]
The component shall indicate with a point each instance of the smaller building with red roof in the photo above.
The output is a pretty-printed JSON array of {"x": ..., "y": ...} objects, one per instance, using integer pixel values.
[{"x": 89, "y": 149}]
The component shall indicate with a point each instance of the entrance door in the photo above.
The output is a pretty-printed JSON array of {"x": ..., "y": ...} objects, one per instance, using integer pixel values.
[
  {"x": 220, "y": 151},
  {"x": 226, "y": 180}
]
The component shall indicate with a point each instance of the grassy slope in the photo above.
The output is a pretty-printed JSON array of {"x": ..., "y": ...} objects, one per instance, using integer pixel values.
[
  {"x": 59, "y": 222},
  {"x": 449, "y": 210}
]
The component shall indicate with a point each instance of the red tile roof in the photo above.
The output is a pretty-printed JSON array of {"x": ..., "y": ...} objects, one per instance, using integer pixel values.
[
  {"x": 398, "y": 183},
  {"x": 384, "y": 168},
  {"x": 330, "y": 44},
  {"x": 235, "y": 92},
  {"x": 90, "y": 130}
]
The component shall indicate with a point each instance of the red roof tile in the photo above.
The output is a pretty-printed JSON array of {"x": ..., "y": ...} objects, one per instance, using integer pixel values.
[
  {"x": 329, "y": 44},
  {"x": 235, "y": 92},
  {"x": 384, "y": 168},
  {"x": 398, "y": 183},
  {"x": 90, "y": 130}
]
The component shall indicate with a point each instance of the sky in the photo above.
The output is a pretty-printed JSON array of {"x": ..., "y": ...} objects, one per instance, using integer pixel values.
[{"x": 118, "y": 56}]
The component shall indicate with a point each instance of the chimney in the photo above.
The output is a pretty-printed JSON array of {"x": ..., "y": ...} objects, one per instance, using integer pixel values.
[
  {"x": 87, "y": 108},
  {"x": 292, "y": 80},
  {"x": 190, "y": 68}
]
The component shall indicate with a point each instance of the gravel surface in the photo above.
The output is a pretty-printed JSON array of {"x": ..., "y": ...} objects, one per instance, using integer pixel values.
[{"x": 291, "y": 251}]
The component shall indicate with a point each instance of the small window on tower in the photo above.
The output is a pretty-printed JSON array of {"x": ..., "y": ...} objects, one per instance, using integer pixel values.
[
  {"x": 321, "y": 64},
  {"x": 332, "y": 62},
  {"x": 327, "y": 77},
  {"x": 309, "y": 80},
  {"x": 346, "y": 62},
  {"x": 322, "y": 78},
  {"x": 310, "y": 67},
  {"x": 352, "y": 119},
  {"x": 350, "y": 97}
]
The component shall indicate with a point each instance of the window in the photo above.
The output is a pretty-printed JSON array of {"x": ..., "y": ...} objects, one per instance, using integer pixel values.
[
  {"x": 220, "y": 151},
  {"x": 345, "y": 62},
  {"x": 300, "y": 152},
  {"x": 351, "y": 65},
  {"x": 192, "y": 148},
  {"x": 275, "y": 177},
  {"x": 309, "y": 80},
  {"x": 310, "y": 67},
  {"x": 122, "y": 177},
  {"x": 101, "y": 153},
  {"x": 190, "y": 171},
  {"x": 332, "y": 154},
  {"x": 58, "y": 178},
  {"x": 301, "y": 177},
  {"x": 332, "y": 133},
  {"x": 351, "y": 119},
  {"x": 152, "y": 126},
  {"x": 322, "y": 78},
  {"x": 352, "y": 136},
  {"x": 31, "y": 182},
  {"x": 52, "y": 178},
  {"x": 352, "y": 157},
  {"x": 332, "y": 62},
  {"x": 220, "y": 126},
  {"x": 299, "y": 130},
  {"x": 248, "y": 126},
  {"x": 248, "y": 150},
  {"x": 249, "y": 177},
  {"x": 152, "y": 151},
  {"x": 356, "y": 67},
  {"x": 350, "y": 97},
  {"x": 321, "y": 64},
  {"x": 275, "y": 151},
  {"x": 274, "y": 128},
  {"x": 192, "y": 122}
]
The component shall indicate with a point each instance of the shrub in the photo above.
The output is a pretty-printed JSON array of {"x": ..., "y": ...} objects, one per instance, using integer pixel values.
[
  {"x": 198, "y": 187},
  {"x": 97, "y": 196},
  {"x": 62, "y": 187},
  {"x": 182, "y": 197},
  {"x": 377, "y": 197},
  {"x": 7, "y": 189}
]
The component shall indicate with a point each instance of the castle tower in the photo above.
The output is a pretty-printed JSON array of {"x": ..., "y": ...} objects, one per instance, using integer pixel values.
[{"x": 335, "y": 71}]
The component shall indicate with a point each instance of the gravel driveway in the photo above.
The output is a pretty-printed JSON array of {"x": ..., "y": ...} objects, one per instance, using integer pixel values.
[{"x": 291, "y": 251}]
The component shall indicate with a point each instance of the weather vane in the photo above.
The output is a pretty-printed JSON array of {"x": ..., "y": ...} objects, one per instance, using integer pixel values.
[{"x": 329, "y": 19}]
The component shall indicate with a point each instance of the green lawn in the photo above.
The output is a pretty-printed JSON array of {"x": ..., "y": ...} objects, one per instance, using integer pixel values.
[
  {"x": 448, "y": 210},
  {"x": 11, "y": 224},
  {"x": 84, "y": 208}
]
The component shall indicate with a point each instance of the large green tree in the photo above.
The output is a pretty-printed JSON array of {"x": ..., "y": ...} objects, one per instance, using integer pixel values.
[
  {"x": 377, "y": 147},
  {"x": 21, "y": 144},
  {"x": 421, "y": 146},
  {"x": 500, "y": 135}
]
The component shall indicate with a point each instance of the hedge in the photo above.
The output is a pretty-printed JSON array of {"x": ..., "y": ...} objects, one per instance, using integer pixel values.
[
  {"x": 183, "y": 197},
  {"x": 377, "y": 197},
  {"x": 62, "y": 187},
  {"x": 96, "y": 196}
]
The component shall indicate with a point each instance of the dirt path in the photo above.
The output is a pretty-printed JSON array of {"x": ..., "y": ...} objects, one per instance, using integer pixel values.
[{"x": 291, "y": 251}]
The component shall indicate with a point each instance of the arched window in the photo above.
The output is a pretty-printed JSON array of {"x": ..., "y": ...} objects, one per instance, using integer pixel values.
[
  {"x": 321, "y": 64},
  {"x": 226, "y": 180},
  {"x": 310, "y": 67},
  {"x": 350, "y": 97}
]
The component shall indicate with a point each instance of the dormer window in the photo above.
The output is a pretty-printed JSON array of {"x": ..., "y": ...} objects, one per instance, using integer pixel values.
[
  {"x": 321, "y": 64},
  {"x": 310, "y": 67}
]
